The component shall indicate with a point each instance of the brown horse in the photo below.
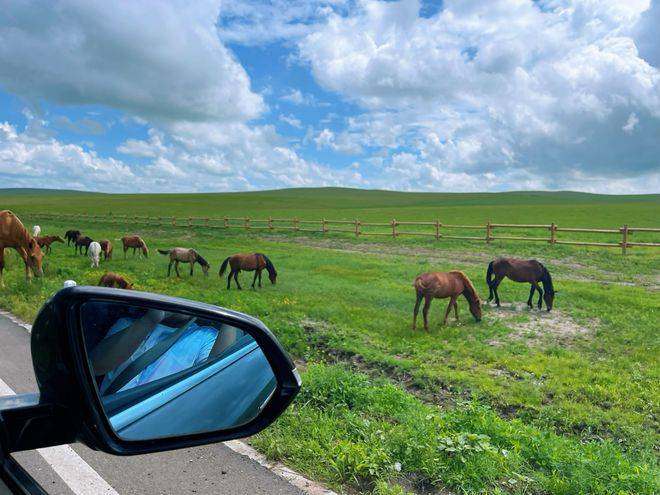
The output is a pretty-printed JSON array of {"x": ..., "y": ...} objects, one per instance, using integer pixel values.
[
  {"x": 45, "y": 241},
  {"x": 521, "y": 271},
  {"x": 82, "y": 241},
  {"x": 110, "y": 279},
  {"x": 184, "y": 255},
  {"x": 440, "y": 285},
  {"x": 249, "y": 262},
  {"x": 135, "y": 242},
  {"x": 14, "y": 235},
  {"x": 106, "y": 247}
]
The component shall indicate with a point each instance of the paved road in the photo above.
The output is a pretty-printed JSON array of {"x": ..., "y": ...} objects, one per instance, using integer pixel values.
[{"x": 208, "y": 469}]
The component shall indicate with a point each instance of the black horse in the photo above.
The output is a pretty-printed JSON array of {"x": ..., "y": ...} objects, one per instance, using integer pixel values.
[{"x": 71, "y": 236}]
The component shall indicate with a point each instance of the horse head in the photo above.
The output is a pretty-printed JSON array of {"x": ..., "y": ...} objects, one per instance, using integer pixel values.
[
  {"x": 475, "y": 309},
  {"x": 35, "y": 257},
  {"x": 549, "y": 298}
]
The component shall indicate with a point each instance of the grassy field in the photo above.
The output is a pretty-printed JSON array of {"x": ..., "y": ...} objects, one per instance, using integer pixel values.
[{"x": 523, "y": 402}]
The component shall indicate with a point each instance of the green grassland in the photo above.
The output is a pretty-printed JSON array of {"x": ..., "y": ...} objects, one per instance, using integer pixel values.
[{"x": 523, "y": 402}]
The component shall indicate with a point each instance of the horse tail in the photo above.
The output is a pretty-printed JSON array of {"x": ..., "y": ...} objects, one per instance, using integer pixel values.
[
  {"x": 419, "y": 285},
  {"x": 489, "y": 274},
  {"x": 164, "y": 252},
  {"x": 223, "y": 267}
]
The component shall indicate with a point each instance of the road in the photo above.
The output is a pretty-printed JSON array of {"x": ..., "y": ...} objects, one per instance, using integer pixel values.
[{"x": 79, "y": 470}]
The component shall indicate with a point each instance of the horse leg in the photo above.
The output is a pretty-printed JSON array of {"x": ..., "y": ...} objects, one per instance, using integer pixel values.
[
  {"x": 231, "y": 272},
  {"x": 449, "y": 306},
  {"x": 416, "y": 310},
  {"x": 254, "y": 280},
  {"x": 536, "y": 286},
  {"x": 496, "y": 284},
  {"x": 456, "y": 309},
  {"x": 238, "y": 285},
  {"x": 260, "y": 272},
  {"x": 192, "y": 265},
  {"x": 176, "y": 268},
  {"x": 169, "y": 268},
  {"x": 425, "y": 312},
  {"x": 125, "y": 249},
  {"x": 2, "y": 265},
  {"x": 531, "y": 294}
]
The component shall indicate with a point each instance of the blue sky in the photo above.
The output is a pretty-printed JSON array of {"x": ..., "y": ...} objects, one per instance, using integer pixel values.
[{"x": 406, "y": 95}]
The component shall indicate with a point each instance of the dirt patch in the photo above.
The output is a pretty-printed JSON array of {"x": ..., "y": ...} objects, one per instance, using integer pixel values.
[{"x": 541, "y": 327}]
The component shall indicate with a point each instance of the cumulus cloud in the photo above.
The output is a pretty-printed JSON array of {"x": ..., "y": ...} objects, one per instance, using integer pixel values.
[
  {"x": 161, "y": 61},
  {"x": 500, "y": 86}
]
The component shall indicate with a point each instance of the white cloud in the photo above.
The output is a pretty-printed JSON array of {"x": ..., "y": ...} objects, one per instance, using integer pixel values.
[
  {"x": 631, "y": 123},
  {"x": 160, "y": 61},
  {"x": 291, "y": 120},
  {"x": 344, "y": 143}
]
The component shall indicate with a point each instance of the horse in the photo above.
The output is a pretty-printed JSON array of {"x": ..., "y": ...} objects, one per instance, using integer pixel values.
[
  {"x": 36, "y": 230},
  {"x": 517, "y": 270},
  {"x": 110, "y": 279},
  {"x": 106, "y": 247},
  {"x": 440, "y": 285},
  {"x": 14, "y": 235},
  {"x": 82, "y": 241},
  {"x": 249, "y": 262},
  {"x": 70, "y": 236},
  {"x": 94, "y": 253},
  {"x": 45, "y": 241},
  {"x": 184, "y": 255},
  {"x": 135, "y": 242}
]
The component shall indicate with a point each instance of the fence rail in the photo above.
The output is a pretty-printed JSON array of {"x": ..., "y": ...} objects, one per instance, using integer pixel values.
[{"x": 395, "y": 228}]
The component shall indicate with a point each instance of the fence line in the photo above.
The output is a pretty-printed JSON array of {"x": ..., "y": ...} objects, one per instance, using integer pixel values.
[{"x": 356, "y": 227}]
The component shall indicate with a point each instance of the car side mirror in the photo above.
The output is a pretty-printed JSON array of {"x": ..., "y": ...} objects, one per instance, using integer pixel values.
[{"x": 129, "y": 372}]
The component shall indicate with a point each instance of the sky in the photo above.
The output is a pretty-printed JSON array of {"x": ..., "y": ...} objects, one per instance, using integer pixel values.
[{"x": 453, "y": 95}]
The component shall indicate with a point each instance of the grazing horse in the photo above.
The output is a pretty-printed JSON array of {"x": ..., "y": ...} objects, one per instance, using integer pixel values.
[
  {"x": 95, "y": 253},
  {"x": 106, "y": 247},
  {"x": 441, "y": 285},
  {"x": 521, "y": 271},
  {"x": 249, "y": 262},
  {"x": 184, "y": 255},
  {"x": 14, "y": 235},
  {"x": 135, "y": 242},
  {"x": 82, "y": 241},
  {"x": 71, "y": 236},
  {"x": 110, "y": 279},
  {"x": 36, "y": 230},
  {"x": 45, "y": 241}
]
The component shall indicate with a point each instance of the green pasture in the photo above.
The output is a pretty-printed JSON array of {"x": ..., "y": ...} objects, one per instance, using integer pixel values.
[{"x": 523, "y": 402}]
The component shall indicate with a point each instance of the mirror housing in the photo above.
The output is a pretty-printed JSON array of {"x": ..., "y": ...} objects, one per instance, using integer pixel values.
[{"x": 67, "y": 386}]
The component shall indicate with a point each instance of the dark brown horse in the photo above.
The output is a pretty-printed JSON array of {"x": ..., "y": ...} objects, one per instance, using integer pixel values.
[
  {"x": 106, "y": 248},
  {"x": 441, "y": 285},
  {"x": 184, "y": 255},
  {"x": 14, "y": 235},
  {"x": 249, "y": 262},
  {"x": 70, "y": 236},
  {"x": 45, "y": 241},
  {"x": 530, "y": 271},
  {"x": 82, "y": 241},
  {"x": 135, "y": 242},
  {"x": 110, "y": 279}
]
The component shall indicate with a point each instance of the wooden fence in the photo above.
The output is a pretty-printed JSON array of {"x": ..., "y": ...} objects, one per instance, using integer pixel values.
[{"x": 393, "y": 228}]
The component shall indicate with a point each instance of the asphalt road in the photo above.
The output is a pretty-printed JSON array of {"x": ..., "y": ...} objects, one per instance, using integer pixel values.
[{"x": 208, "y": 469}]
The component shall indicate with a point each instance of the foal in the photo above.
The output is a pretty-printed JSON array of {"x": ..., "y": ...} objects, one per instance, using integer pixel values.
[
  {"x": 521, "y": 271},
  {"x": 441, "y": 285},
  {"x": 82, "y": 241},
  {"x": 110, "y": 279},
  {"x": 184, "y": 255},
  {"x": 45, "y": 241},
  {"x": 135, "y": 242},
  {"x": 249, "y": 262},
  {"x": 106, "y": 248}
]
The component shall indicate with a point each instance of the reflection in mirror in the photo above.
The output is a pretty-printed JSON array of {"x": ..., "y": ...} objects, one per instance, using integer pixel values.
[{"x": 162, "y": 374}]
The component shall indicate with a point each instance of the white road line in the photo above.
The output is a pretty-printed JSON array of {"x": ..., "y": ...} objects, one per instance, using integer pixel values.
[{"x": 79, "y": 476}]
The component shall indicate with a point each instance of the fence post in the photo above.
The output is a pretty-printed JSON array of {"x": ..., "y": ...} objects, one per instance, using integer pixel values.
[
  {"x": 437, "y": 229},
  {"x": 553, "y": 233},
  {"x": 296, "y": 227},
  {"x": 394, "y": 228},
  {"x": 270, "y": 223},
  {"x": 247, "y": 223},
  {"x": 624, "y": 243},
  {"x": 206, "y": 222},
  {"x": 226, "y": 222},
  {"x": 357, "y": 228},
  {"x": 489, "y": 228},
  {"x": 324, "y": 227}
]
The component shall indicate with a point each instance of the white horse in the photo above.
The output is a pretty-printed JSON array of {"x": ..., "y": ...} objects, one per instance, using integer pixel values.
[
  {"x": 36, "y": 230},
  {"x": 94, "y": 253}
]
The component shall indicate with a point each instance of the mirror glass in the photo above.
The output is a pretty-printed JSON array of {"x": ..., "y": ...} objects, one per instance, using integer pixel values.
[{"x": 164, "y": 374}]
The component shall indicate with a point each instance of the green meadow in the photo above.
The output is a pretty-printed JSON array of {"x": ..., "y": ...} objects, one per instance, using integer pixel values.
[{"x": 523, "y": 402}]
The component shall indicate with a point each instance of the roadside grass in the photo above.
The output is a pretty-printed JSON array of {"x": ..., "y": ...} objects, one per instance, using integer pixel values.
[{"x": 575, "y": 413}]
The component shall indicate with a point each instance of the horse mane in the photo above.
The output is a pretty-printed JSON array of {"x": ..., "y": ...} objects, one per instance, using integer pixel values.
[
  {"x": 546, "y": 280},
  {"x": 269, "y": 264},
  {"x": 469, "y": 292},
  {"x": 200, "y": 259}
]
